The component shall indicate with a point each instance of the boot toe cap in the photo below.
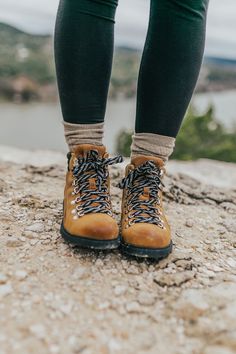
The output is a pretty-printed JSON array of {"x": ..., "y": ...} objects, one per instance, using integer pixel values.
[
  {"x": 147, "y": 236},
  {"x": 97, "y": 226}
]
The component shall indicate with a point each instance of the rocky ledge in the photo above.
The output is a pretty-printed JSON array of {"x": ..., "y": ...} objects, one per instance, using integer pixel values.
[{"x": 57, "y": 298}]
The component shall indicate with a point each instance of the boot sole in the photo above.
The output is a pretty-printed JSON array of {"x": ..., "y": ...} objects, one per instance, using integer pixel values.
[
  {"x": 91, "y": 243},
  {"x": 154, "y": 253}
]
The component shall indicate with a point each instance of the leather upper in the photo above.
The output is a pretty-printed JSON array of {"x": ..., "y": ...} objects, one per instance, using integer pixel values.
[
  {"x": 96, "y": 225},
  {"x": 144, "y": 234}
]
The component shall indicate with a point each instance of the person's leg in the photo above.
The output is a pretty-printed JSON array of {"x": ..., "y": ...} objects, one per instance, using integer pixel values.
[
  {"x": 169, "y": 70},
  {"x": 83, "y": 54},
  {"x": 84, "y": 43}
]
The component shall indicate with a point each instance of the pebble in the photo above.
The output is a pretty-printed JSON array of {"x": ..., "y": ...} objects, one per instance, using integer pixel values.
[
  {"x": 214, "y": 267},
  {"x": 66, "y": 308},
  {"x": 54, "y": 349},
  {"x": 132, "y": 270},
  {"x": 189, "y": 223},
  {"x": 99, "y": 263},
  {"x": 13, "y": 242},
  {"x": 173, "y": 279},
  {"x": 191, "y": 304},
  {"x": 133, "y": 306},
  {"x": 21, "y": 274},
  {"x": 33, "y": 242},
  {"x": 80, "y": 273},
  {"x": 74, "y": 344},
  {"x": 146, "y": 299},
  {"x": 24, "y": 289},
  {"x": 104, "y": 305},
  {"x": 5, "y": 289},
  {"x": 30, "y": 234},
  {"x": 230, "y": 226},
  {"x": 38, "y": 330},
  {"x": 120, "y": 290},
  {"x": 209, "y": 273},
  {"x": 114, "y": 345},
  {"x": 36, "y": 227},
  {"x": 183, "y": 263},
  {"x": 231, "y": 262},
  {"x": 3, "y": 278}
]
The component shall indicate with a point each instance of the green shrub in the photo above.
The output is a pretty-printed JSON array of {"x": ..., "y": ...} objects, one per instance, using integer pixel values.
[
  {"x": 124, "y": 140},
  {"x": 200, "y": 136}
]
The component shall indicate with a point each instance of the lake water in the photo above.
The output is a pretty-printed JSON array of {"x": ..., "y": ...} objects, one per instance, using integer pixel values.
[{"x": 39, "y": 126}]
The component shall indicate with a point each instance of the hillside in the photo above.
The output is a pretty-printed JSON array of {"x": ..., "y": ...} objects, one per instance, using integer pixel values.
[
  {"x": 57, "y": 298},
  {"x": 221, "y": 73},
  {"x": 27, "y": 61},
  {"x": 27, "y": 69},
  {"x": 25, "y": 54}
]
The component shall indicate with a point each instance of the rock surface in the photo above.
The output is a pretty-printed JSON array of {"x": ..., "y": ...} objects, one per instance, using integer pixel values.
[{"x": 57, "y": 298}]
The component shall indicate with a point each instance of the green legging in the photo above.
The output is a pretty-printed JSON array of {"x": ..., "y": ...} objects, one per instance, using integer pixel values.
[{"x": 169, "y": 68}]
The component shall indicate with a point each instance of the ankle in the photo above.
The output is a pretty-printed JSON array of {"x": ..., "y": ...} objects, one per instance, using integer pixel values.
[
  {"x": 149, "y": 144},
  {"x": 78, "y": 134}
]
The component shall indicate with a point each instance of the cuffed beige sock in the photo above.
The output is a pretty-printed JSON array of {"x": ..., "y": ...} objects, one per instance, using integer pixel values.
[
  {"x": 152, "y": 144},
  {"x": 76, "y": 134}
]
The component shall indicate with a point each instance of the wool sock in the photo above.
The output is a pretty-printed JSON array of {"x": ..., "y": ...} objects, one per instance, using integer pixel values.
[
  {"x": 152, "y": 144},
  {"x": 76, "y": 134}
]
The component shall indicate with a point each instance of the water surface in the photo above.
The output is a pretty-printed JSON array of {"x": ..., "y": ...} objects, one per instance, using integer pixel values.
[{"x": 39, "y": 125}]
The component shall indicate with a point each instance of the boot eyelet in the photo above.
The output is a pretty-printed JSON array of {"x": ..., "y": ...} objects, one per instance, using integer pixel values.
[{"x": 73, "y": 211}]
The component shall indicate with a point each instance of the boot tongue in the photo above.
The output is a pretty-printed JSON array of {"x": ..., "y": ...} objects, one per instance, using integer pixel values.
[
  {"x": 141, "y": 159},
  {"x": 82, "y": 150}
]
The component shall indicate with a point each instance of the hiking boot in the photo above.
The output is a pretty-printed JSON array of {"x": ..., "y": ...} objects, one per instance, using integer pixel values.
[
  {"x": 88, "y": 219},
  {"x": 145, "y": 231}
]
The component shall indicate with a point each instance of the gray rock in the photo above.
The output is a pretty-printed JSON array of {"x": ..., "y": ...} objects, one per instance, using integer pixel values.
[
  {"x": 191, "y": 304},
  {"x": 120, "y": 290},
  {"x": 36, "y": 227},
  {"x": 13, "y": 242},
  {"x": 21, "y": 274},
  {"x": 3, "y": 278},
  {"x": 133, "y": 306},
  {"x": 5, "y": 289},
  {"x": 173, "y": 279},
  {"x": 146, "y": 299}
]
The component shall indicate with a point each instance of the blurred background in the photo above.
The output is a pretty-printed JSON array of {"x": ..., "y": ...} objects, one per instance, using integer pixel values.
[{"x": 29, "y": 108}]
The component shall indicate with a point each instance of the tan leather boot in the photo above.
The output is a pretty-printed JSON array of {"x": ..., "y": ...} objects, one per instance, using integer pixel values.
[
  {"x": 145, "y": 231},
  {"x": 88, "y": 219}
]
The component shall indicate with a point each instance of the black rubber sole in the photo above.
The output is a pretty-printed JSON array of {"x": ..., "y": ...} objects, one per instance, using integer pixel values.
[
  {"x": 154, "y": 253},
  {"x": 91, "y": 243}
]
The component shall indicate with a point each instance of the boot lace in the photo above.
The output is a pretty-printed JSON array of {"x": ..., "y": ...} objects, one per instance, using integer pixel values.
[
  {"x": 147, "y": 176},
  {"x": 89, "y": 200}
]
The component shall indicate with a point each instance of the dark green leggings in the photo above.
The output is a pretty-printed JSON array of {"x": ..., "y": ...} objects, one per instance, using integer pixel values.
[{"x": 169, "y": 69}]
